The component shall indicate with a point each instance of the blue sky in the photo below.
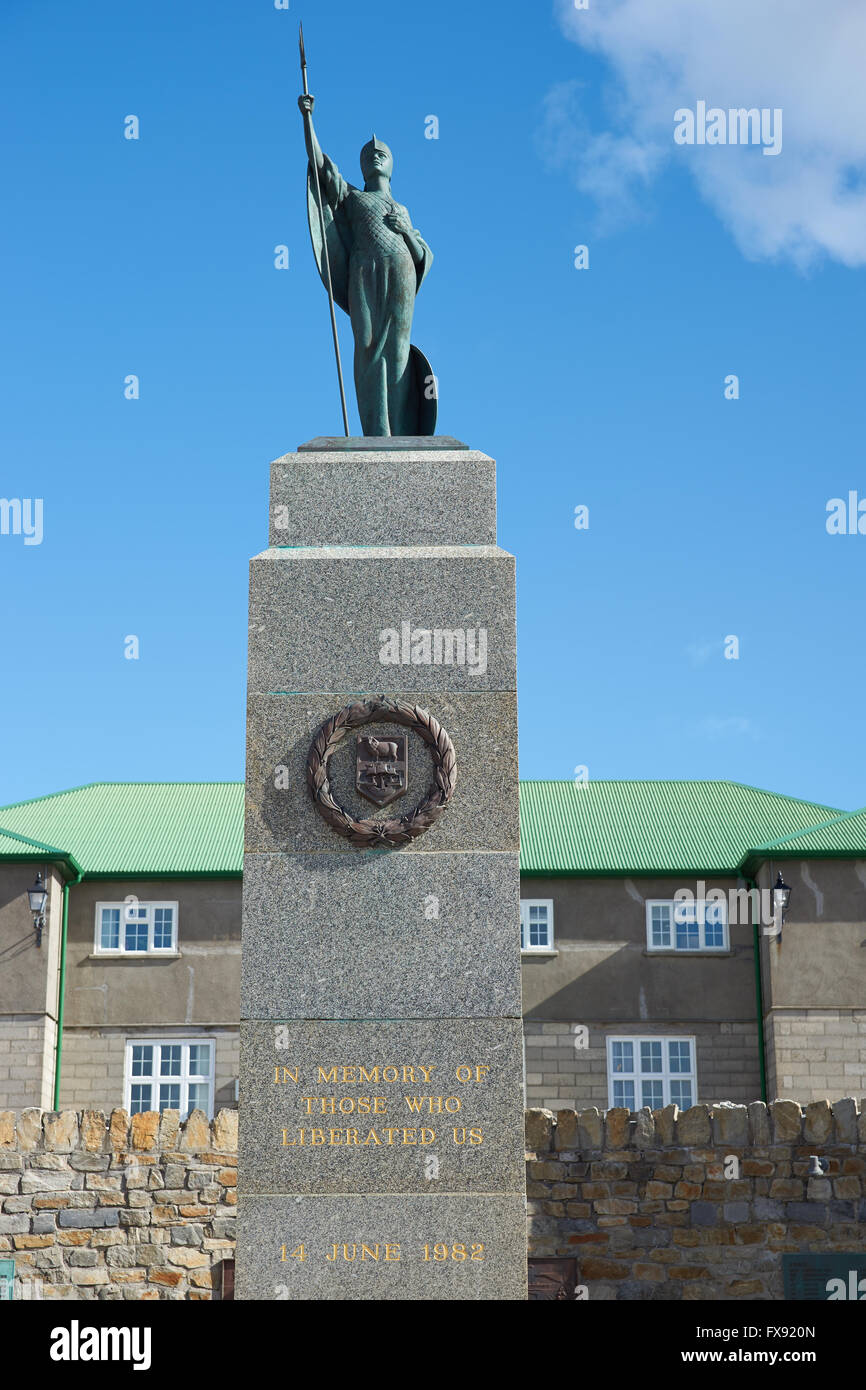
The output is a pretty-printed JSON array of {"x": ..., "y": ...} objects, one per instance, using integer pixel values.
[{"x": 602, "y": 387}]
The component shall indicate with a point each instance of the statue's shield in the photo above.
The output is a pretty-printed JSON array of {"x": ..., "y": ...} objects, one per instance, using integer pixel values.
[
  {"x": 382, "y": 767},
  {"x": 426, "y": 389}
]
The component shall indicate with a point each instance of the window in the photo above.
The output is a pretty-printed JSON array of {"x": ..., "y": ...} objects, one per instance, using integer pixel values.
[
  {"x": 678, "y": 926},
  {"x": 536, "y": 924},
  {"x": 135, "y": 928},
  {"x": 169, "y": 1076},
  {"x": 651, "y": 1071}
]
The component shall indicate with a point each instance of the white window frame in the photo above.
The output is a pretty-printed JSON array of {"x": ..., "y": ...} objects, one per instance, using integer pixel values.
[
  {"x": 183, "y": 1079},
  {"x": 700, "y": 905},
  {"x": 525, "y": 905},
  {"x": 665, "y": 1076},
  {"x": 151, "y": 950}
]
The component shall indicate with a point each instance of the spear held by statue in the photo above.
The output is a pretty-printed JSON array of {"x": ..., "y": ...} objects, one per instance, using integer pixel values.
[{"x": 327, "y": 260}]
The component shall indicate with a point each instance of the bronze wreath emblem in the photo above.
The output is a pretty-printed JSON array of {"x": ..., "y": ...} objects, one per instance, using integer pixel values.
[{"x": 370, "y": 834}]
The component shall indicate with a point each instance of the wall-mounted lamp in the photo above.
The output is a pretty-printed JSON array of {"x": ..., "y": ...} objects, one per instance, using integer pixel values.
[
  {"x": 38, "y": 896},
  {"x": 781, "y": 901}
]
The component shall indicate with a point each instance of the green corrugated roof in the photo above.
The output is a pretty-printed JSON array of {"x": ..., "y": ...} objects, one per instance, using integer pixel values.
[
  {"x": 843, "y": 835},
  {"x": 652, "y": 827},
  {"x": 139, "y": 827},
  {"x": 21, "y": 848},
  {"x": 114, "y": 828}
]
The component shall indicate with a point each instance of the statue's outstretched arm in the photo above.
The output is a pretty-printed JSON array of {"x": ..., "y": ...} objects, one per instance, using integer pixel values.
[
  {"x": 314, "y": 149},
  {"x": 333, "y": 185}
]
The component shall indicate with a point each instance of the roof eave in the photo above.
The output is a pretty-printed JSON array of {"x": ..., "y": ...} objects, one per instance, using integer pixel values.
[
  {"x": 66, "y": 862},
  {"x": 757, "y": 857},
  {"x": 639, "y": 871}
]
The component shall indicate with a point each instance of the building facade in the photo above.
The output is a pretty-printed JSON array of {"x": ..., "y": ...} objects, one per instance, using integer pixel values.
[
  {"x": 144, "y": 929},
  {"x": 815, "y": 975},
  {"x": 661, "y": 972},
  {"x": 656, "y": 969}
]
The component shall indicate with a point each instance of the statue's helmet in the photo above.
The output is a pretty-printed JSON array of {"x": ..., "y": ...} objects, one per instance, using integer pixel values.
[{"x": 372, "y": 148}]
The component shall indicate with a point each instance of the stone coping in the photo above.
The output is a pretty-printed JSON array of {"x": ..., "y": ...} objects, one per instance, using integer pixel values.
[
  {"x": 68, "y": 1131},
  {"x": 722, "y": 1124}
]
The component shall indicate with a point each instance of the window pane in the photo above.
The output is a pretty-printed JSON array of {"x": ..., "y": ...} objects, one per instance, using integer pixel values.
[
  {"x": 199, "y": 1059},
  {"x": 623, "y": 1093},
  {"x": 688, "y": 932},
  {"x": 622, "y": 1056},
  {"x": 680, "y": 1056},
  {"x": 522, "y": 935},
  {"x": 139, "y": 1098},
  {"x": 681, "y": 1094},
  {"x": 660, "y": 924},
  {"x": 170, "y": 1060},
  {"x": 163, "y": 928},
  {"x": 169, "y": 1095},
  {"x": 198, "y": 1096},
  {"x": 109, "y": 929},
  {"x": 142, "y": 1060},
  {"x": 651, "y": 1056},
  {"x": 135, "y": 934},
  {"x": 651, "y": 1092},
  {"x": 537, "y": 924},
  {"x": 714, "y": 926}
]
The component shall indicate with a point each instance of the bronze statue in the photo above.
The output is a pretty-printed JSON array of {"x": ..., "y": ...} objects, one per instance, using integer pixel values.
[{"x": 372, "y": 262}]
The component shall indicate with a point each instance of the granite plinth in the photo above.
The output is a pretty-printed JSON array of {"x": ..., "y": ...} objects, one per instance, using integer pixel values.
[
  {"x": 381, "y": 1106},
  {"x": 388, "y": 498},
  {"x": 381, "y": 1147},
  {"x": 331, "y": 617},
  {"x": 483, "y": 811},
  {"x": 482, "y": 1238},
  {"x": 380, "y": 935},
  {"x": 375, "y": 443}
]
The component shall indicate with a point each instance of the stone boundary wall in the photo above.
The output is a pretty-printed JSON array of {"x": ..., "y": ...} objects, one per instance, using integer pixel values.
[
  {"x": 108, "y": 1207},
  {"x": 117, "y": 1208},
  {"x": 698, "y": 1204}
]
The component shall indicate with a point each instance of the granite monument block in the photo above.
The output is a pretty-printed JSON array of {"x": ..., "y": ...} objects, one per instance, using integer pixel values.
[{"x": 381, "y": 1095}]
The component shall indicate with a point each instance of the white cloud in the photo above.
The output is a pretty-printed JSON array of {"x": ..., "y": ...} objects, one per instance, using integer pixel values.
[
  {"x": 803, "y": 56},
  {"x": 607, "y": 167}
]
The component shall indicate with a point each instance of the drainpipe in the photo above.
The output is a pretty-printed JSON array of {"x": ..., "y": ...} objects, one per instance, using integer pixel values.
[
  {"x": 61, "y": 993},
  {"x": 759, "y": 991}
]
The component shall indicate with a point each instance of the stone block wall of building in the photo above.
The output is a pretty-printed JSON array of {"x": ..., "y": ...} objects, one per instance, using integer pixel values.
[
  {"x": 694, "y": 1205},
  {"x": 112, "y": 1208},
  {"x": 91, "y": 1072},
  {"x": 816, "y": 1053},
  {"x": 560, "y": 1073},
  {"x": 27, "y": 1043}
]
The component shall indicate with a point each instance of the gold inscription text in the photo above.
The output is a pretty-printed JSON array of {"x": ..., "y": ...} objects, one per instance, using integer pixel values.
[
  {"x": 315, "y": 1138},
  {"x": 435, "y": 1105},
  {"x": 375, "y": 1075},
  {"x": 344, "y": 1105}
]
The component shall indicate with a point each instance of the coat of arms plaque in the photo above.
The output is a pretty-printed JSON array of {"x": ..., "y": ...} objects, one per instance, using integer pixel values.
[{"x": 382, "y": 767}]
